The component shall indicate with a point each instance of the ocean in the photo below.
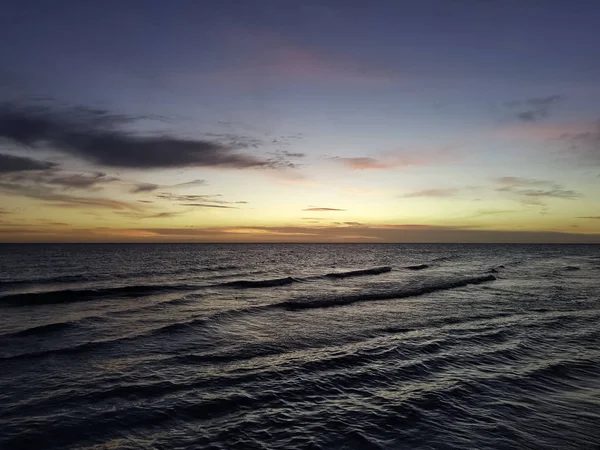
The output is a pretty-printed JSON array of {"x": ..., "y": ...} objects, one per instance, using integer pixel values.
[{"x": 299, "y": 346}]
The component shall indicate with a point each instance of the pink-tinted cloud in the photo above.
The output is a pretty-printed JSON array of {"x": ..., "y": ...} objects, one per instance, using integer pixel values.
[
  {"x": 399, "y": 160},
  {"x": 364, "y": 163},
  {"x": 264, "y": 54}
]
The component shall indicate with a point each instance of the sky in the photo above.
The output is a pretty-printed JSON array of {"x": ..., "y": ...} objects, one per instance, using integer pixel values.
[{"x": 300, "y": 121}]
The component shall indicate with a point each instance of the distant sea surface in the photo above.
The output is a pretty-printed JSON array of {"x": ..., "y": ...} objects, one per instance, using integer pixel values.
[{"x": 299, "y": 346}]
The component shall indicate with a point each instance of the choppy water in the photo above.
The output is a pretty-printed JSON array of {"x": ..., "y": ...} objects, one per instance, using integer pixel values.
[{"x": 299, "y": 346}]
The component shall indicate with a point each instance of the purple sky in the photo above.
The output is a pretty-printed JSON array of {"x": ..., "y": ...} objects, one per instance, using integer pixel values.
[{"x": 463, "y": 113}]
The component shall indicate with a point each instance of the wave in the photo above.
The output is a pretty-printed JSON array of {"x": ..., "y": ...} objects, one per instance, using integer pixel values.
[
  {"x": 41, "y": 329},
  {"x": 260, "y": 283},
  {"x": 49, "y": 280},
  {"x": 417, "y": 267},
  {"x": 273, "y": 282},
  {"x": 75, "y": 295},
  {"x": 358, "y": 273},
  {"x": 389, "y": 295}
]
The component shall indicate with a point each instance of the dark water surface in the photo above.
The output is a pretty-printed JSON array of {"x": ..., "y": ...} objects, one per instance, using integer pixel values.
[{"x": 300, "y": 346}]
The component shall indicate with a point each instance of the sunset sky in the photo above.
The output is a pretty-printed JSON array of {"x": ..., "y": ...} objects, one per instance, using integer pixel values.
[{"x": 290, "y": 120}]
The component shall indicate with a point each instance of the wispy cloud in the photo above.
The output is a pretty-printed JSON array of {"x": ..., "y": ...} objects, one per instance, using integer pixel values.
[
  {"x": 589, "y": 217},
  {"x": 142, "y": 215},
  {"x": 583, "y": 145},
  {"x": 532, "y": 191},
  {"x": 435, "y": 192},
  {"x": 193, "y": 183},
  {"x": 201, "y": 201},
  {"x": 534, "y": 109},
  {"x": 315, "y": 208},
  {"x": 207, "y": 205}
]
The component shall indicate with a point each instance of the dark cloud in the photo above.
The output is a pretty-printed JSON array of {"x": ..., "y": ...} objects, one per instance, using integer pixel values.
[
  {"x": 192, "y": 183},
  {"x": 534, "y": 109},
  {"x": 150, "y": 187},
  {"x": 190, "y": 198},
  {"x": 532, "y": 192},
  {"x": 64, "y": 180},
  {"x": 10, "y": 163},
  {"x": 101, "y": 137},
  {"x": 80, "y": 181},
  {"x": 323, "y": 209},
  {"x": 144, "y": 187}
]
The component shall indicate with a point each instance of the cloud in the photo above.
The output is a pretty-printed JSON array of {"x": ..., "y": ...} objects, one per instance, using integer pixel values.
[
  {"x": 10, "y": 163},
  {"x": 269, "y": 55},
  {"x": 435, "y": 192},
  {"x": 51, "y": 178},
  {"x": 144, "y": 187},
  {"x": 584, "y": 145},
  {"x": 151, "y": 187},
  {"x": 400, "y": 233},
  {"x": 100, "y": 137},
  {"x": 141, "y": 215},
  {"x": 589, "y": 217},
  {"x": 366, "y": 233},
  {"x": 534, "y": 109},
  {"x": 207, "y": 205},
  {"x": 364, "y": 163},
  {"x": 352, "y": 224},
  {"x": 292, "y": 154},
  {"x": 397, "y": 160},
  {"x": 63, "y": 200},
  {"x": 492, "y": 212},
  {"x": 201, "y": 201},
  {"x": 323, "y": 209},
  {"x": 192, "y": 183},
  {"x": 79, "y": 180},
  {"x": 284, "y": 159},
  {"x": 531, "y": 191},
  {"x": 186, "y": 197}
]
